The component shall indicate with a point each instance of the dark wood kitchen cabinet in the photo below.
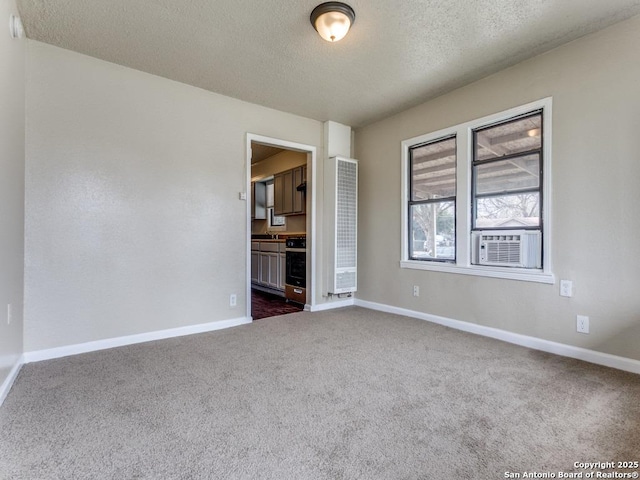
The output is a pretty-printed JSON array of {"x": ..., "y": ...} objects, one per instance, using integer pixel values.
[
  {"x": 298, "y": 195},
  {"x": 288, "y": 200}
]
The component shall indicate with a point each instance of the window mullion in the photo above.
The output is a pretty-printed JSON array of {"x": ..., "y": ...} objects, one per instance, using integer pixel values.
[
  {"x": 508, "y": 192},
  {"x": 463, "y": 189},
  {"x": 535, "y": 151},
  {"x": 432, "y": 200}
]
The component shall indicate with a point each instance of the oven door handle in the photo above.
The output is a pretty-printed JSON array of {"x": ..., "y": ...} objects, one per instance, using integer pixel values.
[{"x": 296, "y": 250}]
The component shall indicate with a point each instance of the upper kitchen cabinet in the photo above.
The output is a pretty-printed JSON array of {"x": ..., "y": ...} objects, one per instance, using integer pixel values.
[
  {"x": 283, "y": 193},
  {"x": 299, "y": 189},
  {"x": 288, "y": 200},
  {"x": 258, "y": 201}
]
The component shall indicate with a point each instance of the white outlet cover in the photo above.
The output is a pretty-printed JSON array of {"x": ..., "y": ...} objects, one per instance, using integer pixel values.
[
  {"x": 582, "y": 324},
  {"x": 566, "y": 288}
]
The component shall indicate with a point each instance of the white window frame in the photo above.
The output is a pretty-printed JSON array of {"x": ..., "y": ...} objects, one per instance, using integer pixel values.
[{"x": 464, "y": 153}]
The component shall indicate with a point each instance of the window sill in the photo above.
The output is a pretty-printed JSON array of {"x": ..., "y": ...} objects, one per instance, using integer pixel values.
[{"x": 524, "y": 275}]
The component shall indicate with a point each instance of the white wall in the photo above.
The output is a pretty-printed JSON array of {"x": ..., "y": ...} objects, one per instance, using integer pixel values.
[
  {"x": 12, "y": 54},
  {"x": 594, "y": 82},
  {"x": 133, "y": 222}
]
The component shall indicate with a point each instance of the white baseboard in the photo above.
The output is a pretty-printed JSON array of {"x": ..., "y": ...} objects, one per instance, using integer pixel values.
[
  {"x": 51, "y": 353},
  {"x": 330, "y": 305},
  {"x": 592, "y": 356},
  {"x": 8, "y": 382}
]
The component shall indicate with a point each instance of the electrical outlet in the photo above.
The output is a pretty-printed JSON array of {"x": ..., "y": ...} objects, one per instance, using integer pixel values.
[
  {"x": 9, "y": 314},
  {"x": 233, "y": 300},
  {"x": 582, "y": 324},
  {"x": 416, "y": 291},
  {"x": 566, "y": 288}
]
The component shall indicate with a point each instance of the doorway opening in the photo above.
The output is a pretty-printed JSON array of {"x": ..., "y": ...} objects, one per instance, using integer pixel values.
[
  {"x": 265, "y": 305},
  {"x": 281, "y": 213}
]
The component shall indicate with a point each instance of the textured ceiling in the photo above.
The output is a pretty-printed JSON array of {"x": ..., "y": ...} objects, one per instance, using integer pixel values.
[{"x": 398, "y": 54}]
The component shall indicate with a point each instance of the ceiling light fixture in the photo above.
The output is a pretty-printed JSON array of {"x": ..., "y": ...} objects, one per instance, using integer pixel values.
[{"x": 332, "y": 20}]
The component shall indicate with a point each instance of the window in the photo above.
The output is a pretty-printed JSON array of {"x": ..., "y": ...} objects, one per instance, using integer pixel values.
[
  {"x": 484, "y": 183},
  {"x": 507, "y": 172},
  {"x": 432, "y": 203}
]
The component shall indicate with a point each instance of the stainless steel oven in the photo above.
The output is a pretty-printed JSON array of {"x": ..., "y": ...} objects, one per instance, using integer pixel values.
[{"x": 295, "y": 288}]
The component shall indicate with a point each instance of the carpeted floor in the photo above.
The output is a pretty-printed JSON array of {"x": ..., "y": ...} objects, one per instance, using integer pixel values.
[
  {"x": 265, "y": 305},
  {"x": 346, "y": 394}
]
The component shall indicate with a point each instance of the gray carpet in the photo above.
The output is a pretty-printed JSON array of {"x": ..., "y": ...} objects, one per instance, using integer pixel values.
[{"x": 348, "y": 394}]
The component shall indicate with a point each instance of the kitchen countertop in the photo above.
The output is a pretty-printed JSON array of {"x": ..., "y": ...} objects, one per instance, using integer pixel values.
[{"x": 281, "y": 237}]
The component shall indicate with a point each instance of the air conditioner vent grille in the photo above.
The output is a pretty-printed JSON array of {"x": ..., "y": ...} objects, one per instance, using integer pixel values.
[{"x": 503, "y": 252}]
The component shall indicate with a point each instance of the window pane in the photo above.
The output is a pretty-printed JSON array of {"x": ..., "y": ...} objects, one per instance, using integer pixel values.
[
  {"x": 511, "y": 211},
  {"x": 433, "y": 170},
  {"x": 433, "y": 231},
  {"x": 508, "y": 138},
  {"x": 508, "y": 175}
]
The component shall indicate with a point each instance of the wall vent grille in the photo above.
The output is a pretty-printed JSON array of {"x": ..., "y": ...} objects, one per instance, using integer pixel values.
[{"x": 341, "y": 196}]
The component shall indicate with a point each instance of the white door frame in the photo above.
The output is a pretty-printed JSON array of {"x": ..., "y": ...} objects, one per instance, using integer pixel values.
[{"x": 311, "y": 152}]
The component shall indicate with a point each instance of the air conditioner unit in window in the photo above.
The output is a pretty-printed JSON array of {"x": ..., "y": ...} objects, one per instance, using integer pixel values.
[{"x": 507, "y": 248}]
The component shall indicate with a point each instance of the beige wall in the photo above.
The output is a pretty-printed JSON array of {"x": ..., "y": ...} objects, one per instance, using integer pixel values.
[
  {"x": 133, "y": 221},
  {"x": 594, "y": 82},
  {"x": 277, "y": 163},
  {"x": 12, "y": 55},
  {"x": 293, "y": 224}
]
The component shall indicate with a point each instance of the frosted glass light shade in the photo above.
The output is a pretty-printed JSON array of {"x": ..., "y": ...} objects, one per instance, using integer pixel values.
[{"x": 332, "y": 20}]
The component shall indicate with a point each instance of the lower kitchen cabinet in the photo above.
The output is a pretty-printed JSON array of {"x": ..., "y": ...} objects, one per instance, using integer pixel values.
[
  {"x": 255, "y": 266},
  {"x": 272, "y": 279},
  {"x": 282, "y": 270},
  {"x": 268, "y": 265}
]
